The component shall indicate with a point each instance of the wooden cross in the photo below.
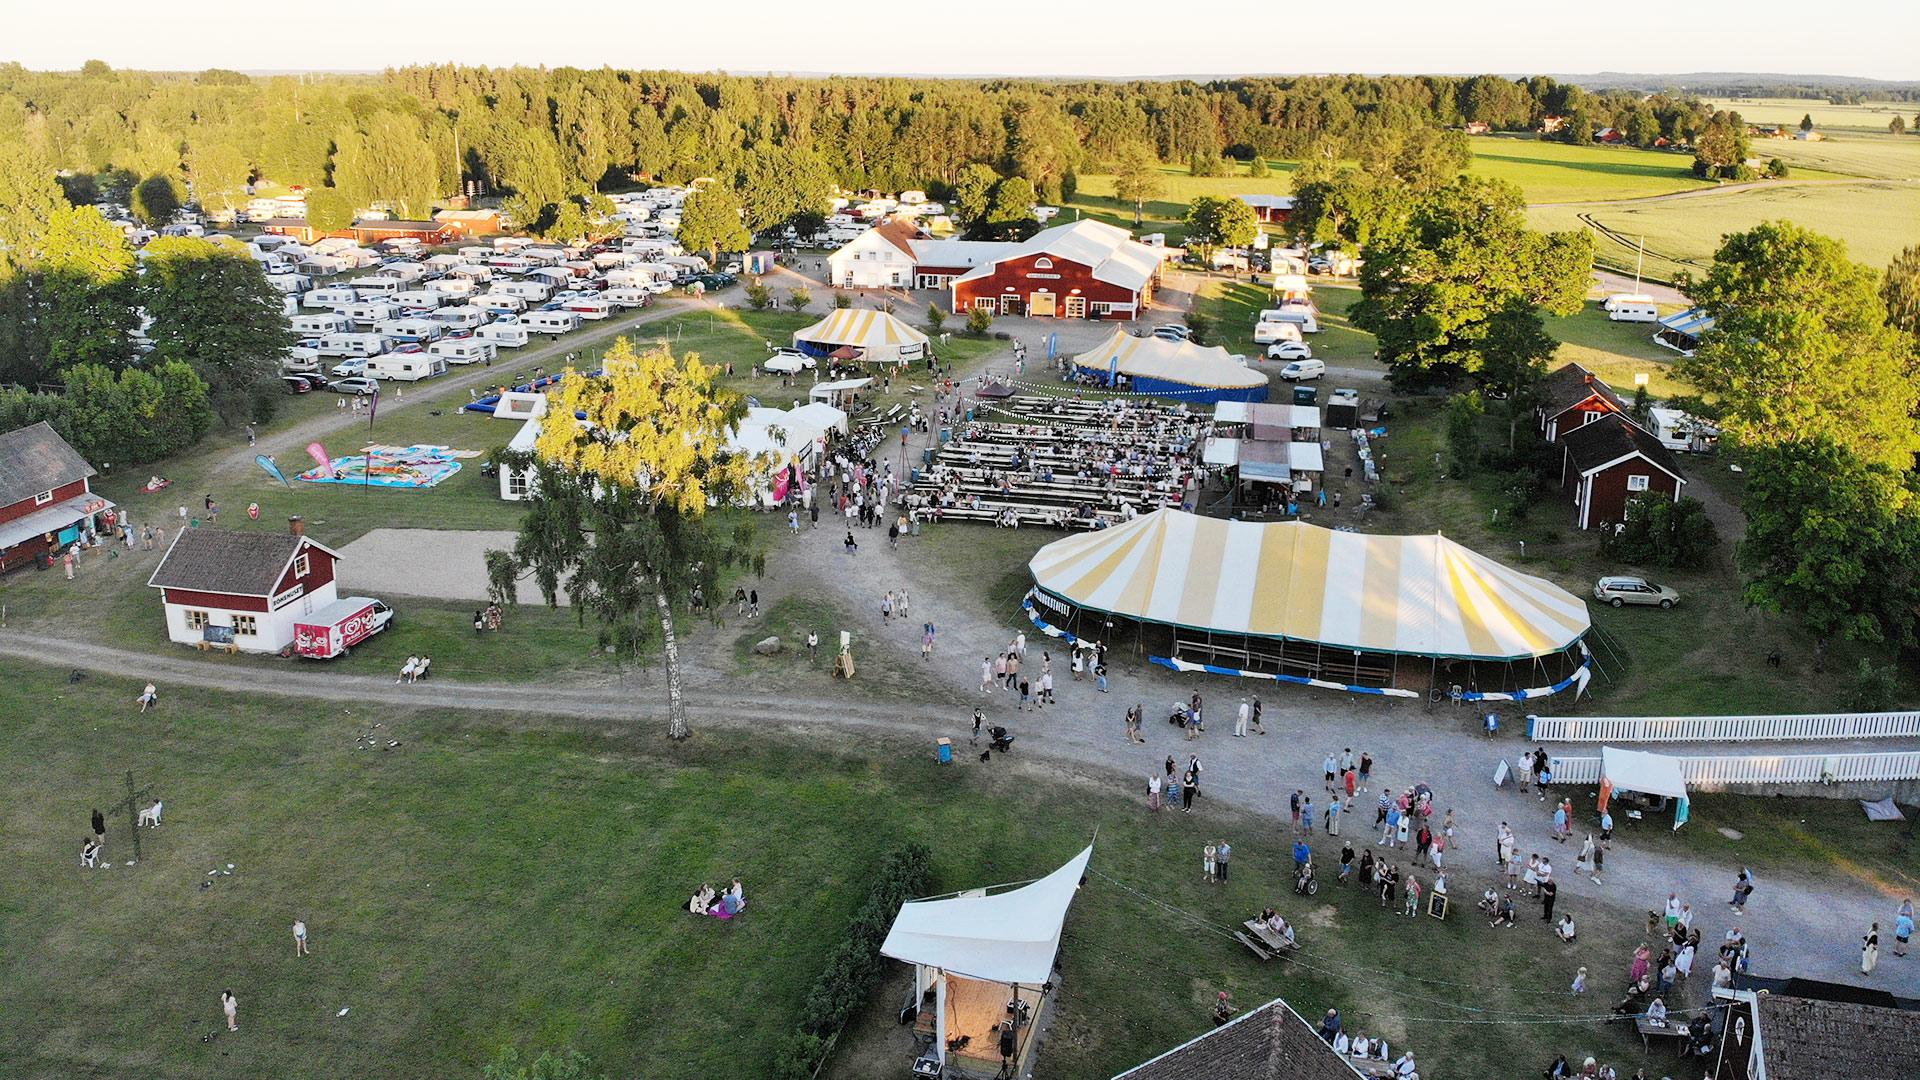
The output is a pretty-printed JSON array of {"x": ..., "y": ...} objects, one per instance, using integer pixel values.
[{"x": 132, "y": 802}]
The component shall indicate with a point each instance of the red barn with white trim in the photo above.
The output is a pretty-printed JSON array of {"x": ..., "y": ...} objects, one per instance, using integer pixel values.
[
  {"x": 46, "y": 498},
  {"x": 1609, "y": 461},
  {"x": 1084, "y": 270}
]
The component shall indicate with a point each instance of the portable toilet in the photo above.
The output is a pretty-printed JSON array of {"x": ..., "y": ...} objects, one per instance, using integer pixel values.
[
  {"x": 759, "y": 262},
  {"x": 1305, "y": 395}
]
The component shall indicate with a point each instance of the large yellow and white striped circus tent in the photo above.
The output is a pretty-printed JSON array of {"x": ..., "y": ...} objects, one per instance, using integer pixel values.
[
  {"x": 878, "y": 336},
  {"x": 1418, "y": 595}
]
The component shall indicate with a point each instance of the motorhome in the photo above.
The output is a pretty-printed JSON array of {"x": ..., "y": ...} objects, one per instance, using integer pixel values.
[
  {"x": 321, "y": 265},
  {"x": 632, "y": 296},
  {"x": 461, "y": 317},
  {"x": 404, "y": 270},
  {"x": 368, "y": 312},
  {"x": 420, "y": 330},
  {"x": 497, "y": 303},
  {"x": 406, "y": 367},
  {"x": 588, "y": 308},
  {"x": 330, "y": 322},
  {"x": 530, "y": 291},
  {"x": 502, "y": 335},
  {"x": 550, "y": 322},
  {"x": 420, "y": 298},
  {"x": 352, "y": 345},
  {"x": 464, "y": 351},
  {"x": 331, "y": 296},
  {"x": 510, "y": 264}
]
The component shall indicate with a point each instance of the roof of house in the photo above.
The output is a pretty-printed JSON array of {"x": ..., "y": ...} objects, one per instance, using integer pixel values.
[
  {"x": 227, "y": 561},
  {"x": 1271, "y": 1042},
  {"x": 466, "y": 215},
  {"x": 957, "y": 253},
  {"x": 383, "y": 225},
  {"x": 34, "y": 459},
  {"x": 1572, "y": 384},
  {"x": 1594, "y": 446},
  {"x": 1267, "y": 202},
  {"x": 1809, "y": 1039},
  {"x": 1111, "y": 252},
  {"x": 901, "y": 233}
]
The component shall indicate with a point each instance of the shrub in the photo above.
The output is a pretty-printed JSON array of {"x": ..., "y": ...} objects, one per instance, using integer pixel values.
[
  {"x": 1201, "y": 325},
  {"x": 799, "y": 298},
  {"x": 1464, "y": 413},
  {"x": 935, "y": 318},
  {"x": 842, "y": 300},
  {"x": 1778, "y": 169},
  {"x": 1661, "y": 532},
  {"x": 979, "y": 320},
  {"x": 1742, "y": 172},
  {"x": 1876, "y": 687},
  {"x": 759, "y": 297}
]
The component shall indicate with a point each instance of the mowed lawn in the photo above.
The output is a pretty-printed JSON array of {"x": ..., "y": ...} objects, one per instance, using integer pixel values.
[
  {"x": 1876, "y": 219},
  {"x": 488, "y": 883}
]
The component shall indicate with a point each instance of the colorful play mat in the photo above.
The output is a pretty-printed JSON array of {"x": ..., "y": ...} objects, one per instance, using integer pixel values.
[{"x": 392, "y": 467}]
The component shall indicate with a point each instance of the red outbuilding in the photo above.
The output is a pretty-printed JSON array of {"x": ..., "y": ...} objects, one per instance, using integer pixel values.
[
  {"x": 1572, "y": 396},
  {"x": 46, "y": 501},
  {"x": 1084, "y": 270},
  {"x": 1611, "y": 460},
  {"x": 243, "y": 589}
]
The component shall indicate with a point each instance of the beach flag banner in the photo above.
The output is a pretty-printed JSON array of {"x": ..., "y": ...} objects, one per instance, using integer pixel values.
[
  {"x": 273, "y": 470},
  {"x": 319, "y": 455}
]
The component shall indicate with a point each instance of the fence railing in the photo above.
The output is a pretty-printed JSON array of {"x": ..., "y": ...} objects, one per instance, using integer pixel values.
[
  {"x": 1638, "y": 729},
  {"x": 1765, "y": 768}
]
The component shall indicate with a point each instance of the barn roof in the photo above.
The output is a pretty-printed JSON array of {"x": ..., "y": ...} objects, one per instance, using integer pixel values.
[
  {"x": 1111, "y": 252},
  {"x": 1610, "y": 438},
  {"x": 1810, "y": 1039},
  {"x": 1270, "y": 1043},
  {"x": 34, "y": 459},
  {"x": 1572, "y": 384},
  {"x": 226, "y": 561}
]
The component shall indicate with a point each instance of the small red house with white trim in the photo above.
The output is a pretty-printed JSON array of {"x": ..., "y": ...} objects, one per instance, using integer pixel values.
[
  {"x": 244, "y": 589},
  {"x": 1572, "y": 396},
  {"x": 46, "y": 500},
  {"x": 1611, "y": 460}
]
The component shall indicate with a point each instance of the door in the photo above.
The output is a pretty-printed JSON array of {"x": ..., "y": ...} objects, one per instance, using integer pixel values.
[
  {"x": 1040, "y": 305},
  {"x": 1076, "y": 307},
  {"x": 1010, "y": 305}
]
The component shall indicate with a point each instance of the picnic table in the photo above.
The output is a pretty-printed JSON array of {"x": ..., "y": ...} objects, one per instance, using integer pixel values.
[
  {"x": 1371, "y": 1066},
  {"x": 1648, "y": 1029},
  {"x": 1269, "y": 944}
]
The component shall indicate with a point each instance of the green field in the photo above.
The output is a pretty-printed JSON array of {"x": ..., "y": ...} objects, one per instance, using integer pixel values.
[
  {"x": 1867, "y": 116},
  {"x": 1561, "y": 172},
  {"x": 1875, "y": 219},
  {"x": 1873, "y": 157}
]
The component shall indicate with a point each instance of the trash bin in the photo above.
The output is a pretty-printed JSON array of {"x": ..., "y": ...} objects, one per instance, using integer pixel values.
[
  {"x": 913, "y": 476},
  {"x": 946, "y": 435},
  {"x": 943, "y": 750},
  {"x": 926, "y": 456}
]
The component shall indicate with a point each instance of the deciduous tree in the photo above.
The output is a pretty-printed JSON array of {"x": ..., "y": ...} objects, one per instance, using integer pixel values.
[
  {"x": 1900, "y": 291},
  {"x": 86, "y": 270},
  {"x": 1137, "y": 177},
  {"x": 1214, "y": 222},
  {"x": 710, "y": 222},
  {"x": 212, "y": 309}
]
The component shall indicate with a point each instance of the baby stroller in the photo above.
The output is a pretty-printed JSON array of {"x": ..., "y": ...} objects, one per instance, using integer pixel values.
[
  {"x": 1178, "y": 717},
  {"x": 1304, "y": 882},
  {"x": 1002, "y": 740}
]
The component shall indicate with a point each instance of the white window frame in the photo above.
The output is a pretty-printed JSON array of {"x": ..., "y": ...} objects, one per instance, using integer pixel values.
[
  {"x": 43, "y": 498},
  {"x": 302, "y": 565},
  {"x": 246, "y": 625},
  {"x": 198, "y": 620},
  {"x": 1639, "y": 481},
  {"x": 517, "y": 483},
  {"x": 1043, "y": 263}
]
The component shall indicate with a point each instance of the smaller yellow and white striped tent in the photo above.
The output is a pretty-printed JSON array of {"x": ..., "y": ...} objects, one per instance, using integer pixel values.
[
  {"x": 1415, "y": 595},
  {"x": 881, "y": 338}
]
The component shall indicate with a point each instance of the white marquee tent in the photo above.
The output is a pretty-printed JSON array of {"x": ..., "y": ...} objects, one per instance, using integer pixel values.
[{"x": 1650, "y": 774}]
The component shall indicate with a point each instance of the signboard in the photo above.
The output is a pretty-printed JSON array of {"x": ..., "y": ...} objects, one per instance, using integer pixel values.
[
  {"x": 283, "y": 599},
  {"x": 322, "y": 641},
  {"x": 217, "y": 635},
  {"x": 1050, "y": 602}
]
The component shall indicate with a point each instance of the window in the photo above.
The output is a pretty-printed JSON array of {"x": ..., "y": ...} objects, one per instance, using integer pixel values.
[
  {"x": 196, "y": 620},
  {"x": 1043, "y": 263},
  {"x": 517, "y": 484},
  {"x": 1101, "y": 307},
  {"x": 245, "y": 626},
  {"x": 302, "y": 564},
  {"x": 43, "y": 498},
  {"x": 1637, "y": 483}
]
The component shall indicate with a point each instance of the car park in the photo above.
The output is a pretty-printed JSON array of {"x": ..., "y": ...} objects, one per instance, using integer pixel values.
[
  {"x": 1619, "y": 591},
  {"x": 1290, "y": 350},
  {"x": 1303, "y": 370}
]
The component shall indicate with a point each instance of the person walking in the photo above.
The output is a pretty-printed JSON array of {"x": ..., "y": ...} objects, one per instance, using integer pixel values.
[
  {"x": 1209, "y": 858},
  {"x": 1366, "y": 769},
  {"x": 299, "y": 937},
  {"x": 1586, "y": 855},
  {"x": 1306, "y": 812},
  {"x": 1333, "y": 818},
  {"x": 1257, "y": 728},
  {"x": 1870, "y": 950},
  {"x": 1241, "y": 720},
  {"x": 1902, "y": 929},
  {"x": 1293, "y": 807},
  {"x": 230, "y": 1005},
  {"x": 1742, "y": 888}
]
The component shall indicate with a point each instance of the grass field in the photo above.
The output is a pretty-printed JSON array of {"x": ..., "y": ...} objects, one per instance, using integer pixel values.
[
  {"x": 1874, "y": 157},
  {"x": 1562, "y": 172},
  {"x": 1875, "y": 218},
  {"x": 1867, "y": 116},
  {"x": 488, "y": 883}
]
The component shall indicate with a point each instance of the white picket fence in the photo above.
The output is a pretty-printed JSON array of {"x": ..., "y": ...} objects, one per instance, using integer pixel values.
[
  {"x": 1765, "y": 768},
  {"x": 1616, "y": 730}
]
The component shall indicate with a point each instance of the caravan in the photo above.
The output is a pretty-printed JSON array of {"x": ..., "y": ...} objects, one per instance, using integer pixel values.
[
  {"x": 502, "y": 335},
  {"x": 379, "y": 285},
  {"x": 333, "y": 296},
  {"x": 499, "y": 303},
  {"x": 550, "y": 322},
  {"x": 632, "y": 297},
  {"x": 420, "y": 298},
  {"x": 369, "y": 312},
  {"x": 531, "y": 291},
  {"x": 461, "y": 318},
  {"x": 331, "y": 322},
  {"x": 406, "y": 367},
  {"x": 587, "y": 307},
  {"x": 417, "y": 330},
  {"x": 1632, "y": 310},
  {"x": 1298, "y": 315},
  {"x": 464, "y": 351},
  {"x": 351, "y": 345},
  {"x": 1677, "y": 430}
]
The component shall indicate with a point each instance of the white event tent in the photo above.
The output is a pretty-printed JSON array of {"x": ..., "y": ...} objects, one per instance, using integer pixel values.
[
  {"x": 979, "y": 952},
  {"x": 1649, "y": 774}
]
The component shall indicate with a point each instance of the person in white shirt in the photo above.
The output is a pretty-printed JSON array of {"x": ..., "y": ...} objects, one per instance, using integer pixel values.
[
  {"x": 1657, "y": 1011},
  {"x": 1342, "y": 1044}
]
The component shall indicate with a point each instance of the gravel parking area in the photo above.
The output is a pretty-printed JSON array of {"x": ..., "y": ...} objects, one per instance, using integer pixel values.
[{"x": 445, "y": 564}]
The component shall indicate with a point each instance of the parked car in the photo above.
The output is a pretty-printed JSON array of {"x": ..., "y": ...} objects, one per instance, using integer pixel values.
[
  {"x": 1303, "y": 370},
  {"x": 1319, "y": 264},
  {"x": 785, "y": 362},
  {"x": 1173, "y": 332},
  {"x": 1621, "y": 591},
  {"x": 732, "y": 267},
  {"x": 300, "y": 384},
  {"x": 356, "y": 365},
  {"x": 357, "y": 385},
  {"x": 410, "y": 347},
  {"x": 1289, "y": 350}
]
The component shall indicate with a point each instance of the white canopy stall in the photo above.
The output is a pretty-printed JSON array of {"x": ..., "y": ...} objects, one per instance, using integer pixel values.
[
  {"x": 987, "y": 960},
  {"x": 1649, "y": 774}
]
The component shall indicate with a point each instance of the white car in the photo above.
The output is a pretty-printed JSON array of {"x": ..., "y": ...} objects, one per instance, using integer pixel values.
[
  {"x": 1290, "y": 350},
  {"x": 349, "y": 368},
  {"x": 787, "y": 362},
  {"x": 1172, "y": 332},
  {"x": 1303, "y": 370}
]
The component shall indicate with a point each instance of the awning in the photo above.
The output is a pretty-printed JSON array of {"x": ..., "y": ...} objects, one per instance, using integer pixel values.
[
  {"x": 844, "y": 352},
  {"x": 51, "y": 519},
  {"x": 1637, "y": 770},
  {"x": 1305, "y": 457},
  {"x": 1221, "y": 452},
  {"x": 1266, "y": 462},
  {"x": 1231, "y": 412},
  {"x": 1008, "y": 937},
  {"x": 821, "y": 390}
]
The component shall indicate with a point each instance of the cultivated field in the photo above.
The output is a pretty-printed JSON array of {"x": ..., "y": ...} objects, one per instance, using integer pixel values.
[
  {"x": 1560, "y": 172},
  {"x": 1868, "y": 116}
]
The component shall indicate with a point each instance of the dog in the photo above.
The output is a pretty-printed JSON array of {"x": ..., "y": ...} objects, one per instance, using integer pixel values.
[{"x": 150, "y": 816}]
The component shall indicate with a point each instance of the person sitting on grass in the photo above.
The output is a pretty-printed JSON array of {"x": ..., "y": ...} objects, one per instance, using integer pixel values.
[
  {"x": 702, "y": 900},
  {"x": 1490, "y": 903},
  {"x": 1565, "y": 928},
  {"x": 1505, "y": 914},
  {"x": 738, "y": 894}
]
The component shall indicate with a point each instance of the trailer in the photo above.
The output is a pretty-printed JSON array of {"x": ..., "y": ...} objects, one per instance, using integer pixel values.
[
  {"x": 351, "y": 345},
  {"x": 331, "y": 322},
  {"x": 421, "y": 298},
  {"x": 461, "y": 318},
  {"x": 465, "y": 351},
  {"x": 588, "y": 308},
  {"x": 332, "y": 296},
  {"x": 531, "y": 291},
  {"x": 406, "y": 367},
  {"x": 420, "y": 330},
  {"x": 369, "y": 312},
  {"x": 498, "y": 303},
  {"x": 503, "y": 335},
  {"x": 627, "y": 297},
  {"x": 335, "y": 629},
  {"x": 550, "y": 322}
]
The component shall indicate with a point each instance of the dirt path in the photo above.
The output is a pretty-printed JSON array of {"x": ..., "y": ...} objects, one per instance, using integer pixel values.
[{"x": 1723, "y": 189}]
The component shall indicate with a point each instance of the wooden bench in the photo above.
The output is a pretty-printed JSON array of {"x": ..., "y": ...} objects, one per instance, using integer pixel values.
[
  {"x": 1272, "y": 942},
  {"x": 1253, "y": 946}
]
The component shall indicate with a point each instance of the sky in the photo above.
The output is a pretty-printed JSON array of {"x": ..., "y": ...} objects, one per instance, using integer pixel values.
[{"x": 983, "y": 37}]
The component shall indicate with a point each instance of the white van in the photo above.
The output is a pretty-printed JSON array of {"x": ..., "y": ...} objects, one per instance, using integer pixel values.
[
  {"x": 369, "y": 312},
  {"x": 631, "y": 297},
  {"x": 332, "y": 296},
  {"x": 352, "y": 345},
  {"x": 1634, "y": 312},
  {"x": 331, "y": 322},
  {"x": 406, "y": 367},
  {"x": 550, "y": 322},
  {"x": 531, "y": 291},
  {"x": 461, "y": 318},
  {"x": 421, "y": 330},
  {"x": 420, "y": 298},
  {"x": 498, "y": 303},
  {"x": 588, "y": 308},
  {"x": 464, "y": 351},
  {"x": 1267, "y": 333},
  {"x": 502, "y": 335}
]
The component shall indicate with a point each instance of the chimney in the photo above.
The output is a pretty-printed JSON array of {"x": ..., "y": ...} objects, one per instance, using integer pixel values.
[{"x": 297, "y": 525}]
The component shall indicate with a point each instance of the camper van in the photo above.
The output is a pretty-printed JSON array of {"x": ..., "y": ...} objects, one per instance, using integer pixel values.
[
  {"x": 502, "y": 335},
  {"x": 352, "y": 345},
  {"x": 464, "y": 351},
  {"x": 1617, "y": 299},
  {"x": 406, "y": 367},
  {"x": 1677, "y": 430},
  {"x": 530, "y": 291},
  {"x": 331, "y": 322},
  {"x": 627, "y": 297},
  {"x": 461, "y": 318},
  {"x": 420, "y": 298},
  {"x": 378, "y": 285},
  {"x": 418, "y": 330},
  {"x": 550, "y": 322},
  {"x": 498, "y": 303},
  {"x": 588, "y": 308},
  {"x": 332, "y": 296},
  {"x": 369, "y": 312},
  {"x": 453, "y": 286},
  {"x": 1633, "y": 311}
]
